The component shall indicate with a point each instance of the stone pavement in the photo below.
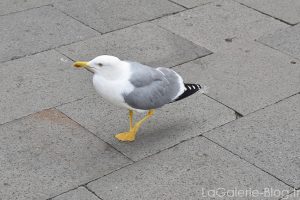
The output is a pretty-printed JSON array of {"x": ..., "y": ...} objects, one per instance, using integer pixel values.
[{"x": 56, "y": 133}]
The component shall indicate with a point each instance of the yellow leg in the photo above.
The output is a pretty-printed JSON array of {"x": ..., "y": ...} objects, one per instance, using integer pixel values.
[
  {"x": 139, "y": 123},
  {"x": 127, "y": 136},
  {"x": 130, "y": 119},
  {"x": 130, "y": 135}
]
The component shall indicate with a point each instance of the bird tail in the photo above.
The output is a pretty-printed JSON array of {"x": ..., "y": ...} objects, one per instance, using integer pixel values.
[{"x": 190, "y": 89}]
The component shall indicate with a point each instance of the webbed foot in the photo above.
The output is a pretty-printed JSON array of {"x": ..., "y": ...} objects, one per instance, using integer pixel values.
[{"x": 126, "y": 136}]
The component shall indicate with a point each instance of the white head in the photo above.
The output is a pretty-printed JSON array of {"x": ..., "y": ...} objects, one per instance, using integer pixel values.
[{"x": 99, "y": 62}]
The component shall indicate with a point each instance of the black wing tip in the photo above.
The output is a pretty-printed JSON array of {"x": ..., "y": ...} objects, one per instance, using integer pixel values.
[
  {"x": 192, "y": 86},
  {"x": 190, "y": 89}
]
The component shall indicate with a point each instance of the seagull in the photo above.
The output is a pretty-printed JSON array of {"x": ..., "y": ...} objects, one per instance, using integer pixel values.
[{"x": 136, "y": 87}]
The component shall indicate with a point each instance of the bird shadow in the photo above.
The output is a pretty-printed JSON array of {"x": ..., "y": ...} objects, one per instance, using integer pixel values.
[{"x": 153, "y": 133}]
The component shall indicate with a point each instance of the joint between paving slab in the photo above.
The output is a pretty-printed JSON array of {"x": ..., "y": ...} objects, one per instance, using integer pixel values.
[
  {"x": 184, "y": 140},
  {"x": 23, "y": 56},
  {"x": 91, "y": 191},
  {"x": 75, "y": 188},
  {"x": 211, "y": 52},
  {"x": 247, "y": 161},
  {"x": 198, "y": 56},
  {"x": 276, "y": 18},
  {"x": 25, "y": 10},
  {"x": 49, "y": 49},
  {"x": 64, "y": 55},
  {"x": 149, "y": 156},
  {"x": 273, "y": 103},
  {"x": 150, "y": 20},
  {"x": 94, "y": 134},
  {"x": 276, "y": 49},
  {"x": 177, "y": 4},
  {"x": 101, "y": 33},
  {"x": 285, "y": 196},
  {"x": 171, "y": 67},
  {"x": 85, "y": 184},
  {"x": 237, "y": 114},
  {"x": 201, "y": 56},
  {"x": 187, "y": 8},
  {"x": 76, "y": 19},
  {"x": 19, "y": 118}
]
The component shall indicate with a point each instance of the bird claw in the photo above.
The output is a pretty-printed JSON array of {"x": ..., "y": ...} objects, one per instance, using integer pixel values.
[{"x": 126, "y": 136}]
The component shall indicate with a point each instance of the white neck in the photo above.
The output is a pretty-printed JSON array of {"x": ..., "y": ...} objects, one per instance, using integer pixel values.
[{"x": 113, "y": 72}]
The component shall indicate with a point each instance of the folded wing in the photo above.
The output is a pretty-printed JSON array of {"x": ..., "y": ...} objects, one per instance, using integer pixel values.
[{"x": 153, "y": 88}]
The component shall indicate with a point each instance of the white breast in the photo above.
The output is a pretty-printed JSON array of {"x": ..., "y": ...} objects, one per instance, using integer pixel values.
[
  {"x": 111, "y": 83},
  {"x": 111, "y": 90}
]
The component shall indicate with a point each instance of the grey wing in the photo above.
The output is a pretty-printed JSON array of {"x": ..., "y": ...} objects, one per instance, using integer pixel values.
[{"x": 153, "y": 87}]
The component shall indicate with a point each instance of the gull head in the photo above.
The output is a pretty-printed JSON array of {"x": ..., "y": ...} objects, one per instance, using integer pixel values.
[{"x": 97, "y": 63}]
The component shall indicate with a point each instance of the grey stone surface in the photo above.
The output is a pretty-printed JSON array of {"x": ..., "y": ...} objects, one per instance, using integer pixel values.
[
  {"x": 187, "y": 171},
  {"x": 46, "y": 154},
  {"x": 285, "y": 40},
  {"x": 39, "y": 82},
  {"x": 246, "y": 76},
  {"x": 268, "y": 138},
  {"x": 108, "y": 15},
  {"x": 36, "y": 30},
  {"x": 212, "y": 24},
  {"x": 79, "y": 194},
  {"x": 192, "y": 3},
  {"x": 9, "y": 6},
  {"x": 294, "y": 196},
  {"x": 286, "y": 10},
  {"x": 169, "y": 125},
  {"x": 146, "y": 43}
]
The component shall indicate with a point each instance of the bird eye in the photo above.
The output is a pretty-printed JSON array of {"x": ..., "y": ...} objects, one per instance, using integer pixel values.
[{"x": 100, "y": 64}]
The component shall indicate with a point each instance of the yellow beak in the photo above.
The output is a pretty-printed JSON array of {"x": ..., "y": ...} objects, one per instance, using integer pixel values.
[{"x": 80, "y": 64}]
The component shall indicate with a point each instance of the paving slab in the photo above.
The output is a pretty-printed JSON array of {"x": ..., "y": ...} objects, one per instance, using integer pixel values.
[
  {"x": 9, "y": 6},
  {"x": 109, "y": 15},
  {"x": 169, "y": 125},
  {"x": 268, "y": 138},
  {"x": 216, "y": 24},
  {"x": 39, "y": 82},
  {"x": 287, "y": 10},
  {"x": 286, "y": 40},
  {"x": 187, "y": 171},
  {"x": 79, "y": 194},
  {"x": 294, "y": 196},
  {"x": 36, "y": 30},
  {"x": 192, "y": 3},
  {"x": 146, "y": 43},
  {"x": 46, "y": 154},
  {"x": 246, "y": 76}
]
